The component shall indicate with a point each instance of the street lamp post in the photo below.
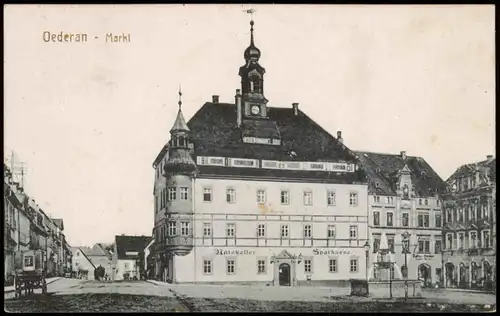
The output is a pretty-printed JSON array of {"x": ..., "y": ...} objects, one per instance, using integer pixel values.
[
  {"x": 406, "y": 248},
  {"x": 367, "y": 250}
]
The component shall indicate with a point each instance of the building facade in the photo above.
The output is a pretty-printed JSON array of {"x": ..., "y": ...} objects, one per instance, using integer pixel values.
[
  {"x": 82, "y": 266},
  {"x": 248, "y": 193},
  {"x": 128, "y": 257},
  {"x": 405, "y": 199},
  {"x": 469, "y": 229},
  {"x": 27, "y": 227}
]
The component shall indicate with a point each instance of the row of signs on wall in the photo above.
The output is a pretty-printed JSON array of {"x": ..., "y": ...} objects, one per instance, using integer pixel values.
[
  {"x": 248, "y": 252},
  {"x": 274, "y": 164}
]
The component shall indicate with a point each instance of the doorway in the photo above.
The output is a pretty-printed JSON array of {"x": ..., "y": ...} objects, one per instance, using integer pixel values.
[
  {"x": 424, "y": 274},
  {"x": 450, "y": 271},
  {"x": 284, "y": 274},
  {"x": 463, "y": 276}
]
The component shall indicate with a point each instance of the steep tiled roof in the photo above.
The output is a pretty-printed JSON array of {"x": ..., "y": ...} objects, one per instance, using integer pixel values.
[
  {"x": 180, "y": 123},
  {"x": 477, "y": 166},
  {"x": 214, "y": 132},
  {"x": 126, "y": 244},
  {"x": 382, "y": 169}
]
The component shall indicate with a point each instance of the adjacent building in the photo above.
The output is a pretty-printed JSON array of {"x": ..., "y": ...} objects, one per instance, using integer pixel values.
[
  {"x": 28, "y": 227},
  {"x": 82, "y": 266},
  {"x": 128, "y": 257},
  {"x": 404, "y": 198},
  {"x": 469, "y": 228},
  {"x": 249, "y": 193}
]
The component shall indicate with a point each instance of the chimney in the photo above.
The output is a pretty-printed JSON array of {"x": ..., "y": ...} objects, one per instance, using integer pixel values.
[
  {"x": 339, "y": 137},
  {"x": 295, "y": 108},
  {"x": 489, "y": 157},
  {"x": 403, "y": 155},
  {"x": 238, "y": 107},
  {"x": 215, "y": 99}
]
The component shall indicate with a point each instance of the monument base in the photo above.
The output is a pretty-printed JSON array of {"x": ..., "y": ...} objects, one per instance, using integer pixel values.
[
  {"x": 394, "y": 288},
  {"x": 386, "y": 289}
]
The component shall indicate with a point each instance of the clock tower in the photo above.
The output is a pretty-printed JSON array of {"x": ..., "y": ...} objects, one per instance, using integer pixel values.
[{"x": 252, "y": 82}]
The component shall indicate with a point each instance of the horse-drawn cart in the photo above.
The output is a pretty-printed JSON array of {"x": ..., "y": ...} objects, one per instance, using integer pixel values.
[{"x": 30, "y": 273}]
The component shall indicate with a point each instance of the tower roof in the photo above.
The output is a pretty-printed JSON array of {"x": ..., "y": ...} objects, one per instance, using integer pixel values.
[
  {"x": 252, "y": 52},
  {"x": 180, "y": 123}
]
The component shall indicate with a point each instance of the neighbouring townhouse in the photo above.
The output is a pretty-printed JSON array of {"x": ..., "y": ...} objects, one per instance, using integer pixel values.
[
  {"x": 128, "y": 256},
  {"x": 404, "y": 200},
  {"x": 469, "y": 230}
]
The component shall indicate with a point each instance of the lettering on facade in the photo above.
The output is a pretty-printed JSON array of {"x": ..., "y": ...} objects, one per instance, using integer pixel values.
[
  {"x": 423, "y": 256},
  {"x": 319, "y": 252},
  {"x": 233, "y": 252}
]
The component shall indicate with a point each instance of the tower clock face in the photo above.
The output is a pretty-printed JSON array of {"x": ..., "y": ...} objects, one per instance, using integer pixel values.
[{"x": 255, "y": 109}]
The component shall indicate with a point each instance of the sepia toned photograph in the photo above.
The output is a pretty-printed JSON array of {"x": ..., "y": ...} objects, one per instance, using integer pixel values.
[{"x": 249, "y": 158}]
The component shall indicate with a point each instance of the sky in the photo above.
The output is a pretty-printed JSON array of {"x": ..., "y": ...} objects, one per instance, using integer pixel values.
[{"x": 88, "y": 119}]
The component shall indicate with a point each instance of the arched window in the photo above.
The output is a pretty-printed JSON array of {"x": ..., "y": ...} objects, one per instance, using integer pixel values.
[{"x": 404, "y": 271}]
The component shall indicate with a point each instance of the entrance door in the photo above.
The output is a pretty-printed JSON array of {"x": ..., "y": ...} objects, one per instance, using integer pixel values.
[
  {"x": 284, "y": 274},
  {"x": 425, "y": 274}
]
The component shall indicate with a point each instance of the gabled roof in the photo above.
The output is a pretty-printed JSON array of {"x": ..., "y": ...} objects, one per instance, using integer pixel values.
[
  {"x": 382, "y": 170},
  {"x": 83, "y": 251},
  {"x": 480, "y": 166},
  {"x": 126, "y": 244}
]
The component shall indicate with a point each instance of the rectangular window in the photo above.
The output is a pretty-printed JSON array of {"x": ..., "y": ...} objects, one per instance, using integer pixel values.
[
  {"x": 230, "y": 229},
  {"x": 423, "y": 246},
  {"x": 376, "y": 244},
  {"x": 261, "y": 266},
  {"x": 261, "y": 230},
  {"x": 285, "y": 197},
  {"x": 284, "y": 231},
  {"x": 308, "y": 198},
  {"x": 172, "y": 194},
  {"x": 332, "y": 265},
  {"x": 353, "y": 199},
  {"x": 390, "y": 243},
  {"x": 461, "y": 215},
  {"x": 230, "y": 266},
  {"x": 376, "y": 218},
  {"x": 184, "y": 193},
  {"x": 353, "y": 231},
  {"x": 486, "y": 239},
  {"x": 261, "y": 196},
  {"x": 437, "y": 218},
  {"x": 354, "y": 265},
  {"x": 331, "y": 231},
  {"x": 406, "y": 220},
  {"x": 307, "y": 231},
  {"x": 389, "y": 219},
  {"x": 449, "y": 241},
  {"x": 207, "y": 230},
  {"x": 330, "y": 198},
  {"x": 308, "y": 266},
  {"x": 230, "y": 196},
  {"x": 184, "y": 228},
  {"x": 426, "y": 220},
  {"x": 207, "y": 266},
  {"x": 207, "y": 195},
  {"x": 426, "y": 202},
  {"x": 473, "y": 240},
  {"x": 437, "y": 246},
  {"x": 376, "y": 199},
  {"x": 461, "y": 240},
  {"x": 172, "y": 228}
]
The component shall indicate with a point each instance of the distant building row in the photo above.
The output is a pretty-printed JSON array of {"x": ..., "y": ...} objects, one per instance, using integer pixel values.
[{"x": 27, "y": 227}]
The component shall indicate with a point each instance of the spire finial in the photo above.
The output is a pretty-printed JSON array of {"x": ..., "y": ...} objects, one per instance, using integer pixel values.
[
  {"x": 180, "y": 97},
  {"x": 251, "y": 12}
]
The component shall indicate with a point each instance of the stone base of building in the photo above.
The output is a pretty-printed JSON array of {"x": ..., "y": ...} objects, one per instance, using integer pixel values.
[{"x": 309, "y": 283}]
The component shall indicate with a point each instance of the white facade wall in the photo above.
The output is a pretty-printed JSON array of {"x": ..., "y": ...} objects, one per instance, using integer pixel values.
[
  {"x": 246, "y": 214},
  {"x": 396, "y": 206},
  {"x": 126, "y": 266}
]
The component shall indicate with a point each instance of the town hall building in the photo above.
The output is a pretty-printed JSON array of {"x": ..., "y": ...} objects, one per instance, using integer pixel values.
[{"x": 249, "y": 193}]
